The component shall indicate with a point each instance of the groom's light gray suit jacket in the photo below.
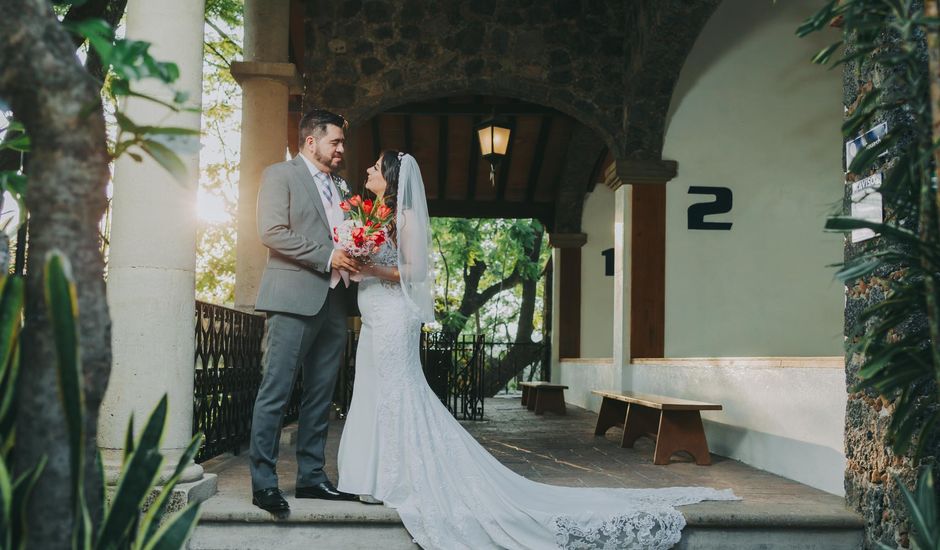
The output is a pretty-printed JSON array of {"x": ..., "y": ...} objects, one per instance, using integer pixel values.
[{"x": 294, "y": 227}]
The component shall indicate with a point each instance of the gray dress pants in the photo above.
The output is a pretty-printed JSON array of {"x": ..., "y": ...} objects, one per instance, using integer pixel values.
[{"x": 293, "y": 342}]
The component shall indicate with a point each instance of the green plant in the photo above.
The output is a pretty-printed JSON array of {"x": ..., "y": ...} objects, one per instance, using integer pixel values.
[
  {"x": 898, "y": 336},
  {"x": 922, "y": 508},
  {"x": 123, "y": 525}
]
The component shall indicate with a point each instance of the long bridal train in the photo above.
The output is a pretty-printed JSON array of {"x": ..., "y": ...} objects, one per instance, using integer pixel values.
[{"x": 401, "y": 445}]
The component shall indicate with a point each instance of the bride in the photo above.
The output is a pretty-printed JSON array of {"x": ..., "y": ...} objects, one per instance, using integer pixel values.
[{"x": 403, "y": 447}]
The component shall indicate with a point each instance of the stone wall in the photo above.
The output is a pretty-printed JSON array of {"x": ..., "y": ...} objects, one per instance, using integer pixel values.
[
  {"x": 870, "y": 485},
  {"x": 582, "y": 57}
]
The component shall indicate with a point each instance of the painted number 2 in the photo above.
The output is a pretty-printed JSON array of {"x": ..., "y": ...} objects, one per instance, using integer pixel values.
[{"x": 721, "y": 205}]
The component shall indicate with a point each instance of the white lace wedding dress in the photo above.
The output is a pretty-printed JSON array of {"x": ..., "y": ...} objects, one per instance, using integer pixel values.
[{"x": 402, "y": 446}]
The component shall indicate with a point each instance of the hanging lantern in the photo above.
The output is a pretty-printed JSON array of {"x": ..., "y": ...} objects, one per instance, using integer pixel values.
[{"x": 494, "y": 135}]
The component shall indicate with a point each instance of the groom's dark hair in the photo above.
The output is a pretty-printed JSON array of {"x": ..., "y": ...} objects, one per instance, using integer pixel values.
[{"x": 314, "y": 123}]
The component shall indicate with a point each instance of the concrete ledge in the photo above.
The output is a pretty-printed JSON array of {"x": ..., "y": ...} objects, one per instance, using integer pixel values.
[
  {"x": 826, "y": 362},
  {"x": 767, "y": 539},
  {"x": 255, "y": 537}
]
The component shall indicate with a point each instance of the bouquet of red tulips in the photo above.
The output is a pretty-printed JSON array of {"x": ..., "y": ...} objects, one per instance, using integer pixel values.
[{"x": 365, "y": 229}]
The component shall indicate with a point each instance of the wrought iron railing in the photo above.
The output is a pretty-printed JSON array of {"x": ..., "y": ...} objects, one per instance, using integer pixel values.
[
  {"x": 509, "y": 363},
  {"x": 228, "y": 374},
  {"x": 342, "y": 395},
  {"x": 454, "y": 368}
]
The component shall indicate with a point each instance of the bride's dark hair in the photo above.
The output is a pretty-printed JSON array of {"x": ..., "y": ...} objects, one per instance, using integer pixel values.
[{"x": 391, "y": 166}]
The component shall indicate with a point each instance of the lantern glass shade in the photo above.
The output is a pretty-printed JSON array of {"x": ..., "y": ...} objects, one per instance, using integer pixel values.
[{"x": 494, "y": 140}]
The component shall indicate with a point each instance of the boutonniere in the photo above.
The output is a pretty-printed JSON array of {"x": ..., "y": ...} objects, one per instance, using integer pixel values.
[{"x": 341, "y": 185}]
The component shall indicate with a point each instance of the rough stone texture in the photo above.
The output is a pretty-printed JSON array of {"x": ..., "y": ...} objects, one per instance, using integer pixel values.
[
  {"x": 610, "y": 65},
  {"x": 871, "y": 467}
]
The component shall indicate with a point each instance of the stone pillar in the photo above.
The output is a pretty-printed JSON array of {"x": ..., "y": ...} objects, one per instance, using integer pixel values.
[
  {"x": 639, "y": 256},
  {"x": 151, "y": 268},
  {"x": 266, "y": 79},
  {"x": 567, "y": 267},
  {"x": 622, "y": 261}
]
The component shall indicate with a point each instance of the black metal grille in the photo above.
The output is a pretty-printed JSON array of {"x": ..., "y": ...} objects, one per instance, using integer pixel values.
[
  {"x": 508, "y": 363},
  {"x": 228, "y": 374},
  {"x": 454, "y": 368},
  {"x": 342, "y": 396}
]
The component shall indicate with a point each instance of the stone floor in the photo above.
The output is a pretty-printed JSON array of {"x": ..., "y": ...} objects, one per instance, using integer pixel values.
[{"x": 563, "y": 450}]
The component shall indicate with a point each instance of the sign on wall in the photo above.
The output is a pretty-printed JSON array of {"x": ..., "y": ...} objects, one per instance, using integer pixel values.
[
  {"x": 868, "y": 139},
  {"x": 721, "y": 205},
  {"x": 867, "y": 205}
]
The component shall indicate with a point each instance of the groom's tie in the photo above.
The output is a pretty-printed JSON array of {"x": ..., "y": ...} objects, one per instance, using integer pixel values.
[
  {"x": 324, "y": 182},
  {"x": 326, "y": 188}
]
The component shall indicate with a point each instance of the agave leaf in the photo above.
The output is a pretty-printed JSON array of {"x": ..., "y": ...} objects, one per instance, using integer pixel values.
[
  {"x": 176, "y": 532},
  {"x": 919, "y": 521},
  {"x": 6, "y": 494},
  {"x": 62, "y": 303},
  {"x": 139, "y": 474},
  {"x": 22, "y": 491},
  {"x": 154, "y": 515},
  {"x": 137, "y": 479}
]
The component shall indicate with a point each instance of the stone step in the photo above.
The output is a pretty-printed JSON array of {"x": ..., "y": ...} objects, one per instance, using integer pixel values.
[
  {"x": 749, "y": 524},
  {"x": 275, "y": 536},
  {"x": 229, "y": 522}
]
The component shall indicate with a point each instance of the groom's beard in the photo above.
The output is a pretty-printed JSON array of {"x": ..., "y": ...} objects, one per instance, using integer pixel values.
[{"x": 326, "y": 160}]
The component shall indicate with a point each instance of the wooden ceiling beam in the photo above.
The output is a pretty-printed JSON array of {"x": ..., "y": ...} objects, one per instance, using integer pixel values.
[
  {"x": 471, "y": 109},
  {"x": 496, "y": 209},
  {"x": 538, "y": 159},
  {"x": 474, "y": 163},
  {"x": 502, "y": 180},
  {"x": 442, "y": 156}
]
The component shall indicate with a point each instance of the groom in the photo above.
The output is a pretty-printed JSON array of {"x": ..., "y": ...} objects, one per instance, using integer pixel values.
[{"x": 303, "y": 292}]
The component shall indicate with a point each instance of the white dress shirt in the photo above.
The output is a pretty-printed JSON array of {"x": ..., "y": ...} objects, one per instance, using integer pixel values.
[{"x": 334, "y": 215}]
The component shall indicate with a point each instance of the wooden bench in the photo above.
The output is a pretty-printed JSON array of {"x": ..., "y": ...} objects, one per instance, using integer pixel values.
[
  {"x": 675, "y": 424},
  {"x": 543, "y": 396}
]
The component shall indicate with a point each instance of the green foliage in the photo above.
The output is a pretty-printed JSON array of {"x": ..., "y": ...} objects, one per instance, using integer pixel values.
[
  {"x": 898, "y": 335},
  {"x": 215, "y": 267},
  {"x": 123, "y": 526},
  {"x": 13, "y": 137},
  {"x": 499, "y": 247},
  {"x": 922, "y": 508}
]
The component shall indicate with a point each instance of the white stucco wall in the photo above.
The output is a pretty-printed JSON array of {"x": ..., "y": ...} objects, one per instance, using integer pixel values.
[
  {"x": 784, "y": 419},
  {"x": 597, "y": 305},
  {"x": 751, "y": 113}
]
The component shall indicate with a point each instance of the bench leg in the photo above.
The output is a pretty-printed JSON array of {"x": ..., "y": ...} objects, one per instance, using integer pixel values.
[
  {"x": 641, "y": 421},
  {"x": 531, "y": 397},
  {"x": 612, "y": 414},
  {"x": 550, "y": 399},
  {"x": 525, "y": 395},
  {"x": 681, "y": 431}
]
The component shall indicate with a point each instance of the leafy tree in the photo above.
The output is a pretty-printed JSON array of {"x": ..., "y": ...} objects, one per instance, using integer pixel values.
[
  {"x": 58, "y": 101},
  {"x": 215, "y": 260},
  {"x": 488, "y": 272}
]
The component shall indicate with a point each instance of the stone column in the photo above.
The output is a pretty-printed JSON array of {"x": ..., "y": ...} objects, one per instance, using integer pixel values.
[
  {"x": 567, "y": 272},
  {"x": 639, "y": 256},
  {"x": 622, "y": 260},
  {"x": 151, "y": 269},
  {"x": 266, "y": 79}
]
